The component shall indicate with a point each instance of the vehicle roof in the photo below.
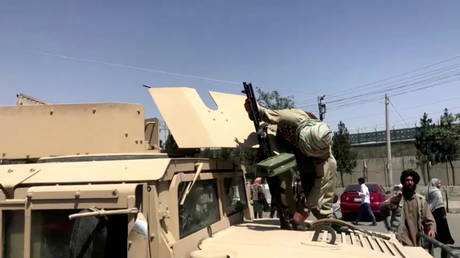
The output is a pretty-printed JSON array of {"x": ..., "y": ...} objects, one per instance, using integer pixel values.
[
  {"x": 36, "y": 131},
  {"x": 267, "y": 240}
]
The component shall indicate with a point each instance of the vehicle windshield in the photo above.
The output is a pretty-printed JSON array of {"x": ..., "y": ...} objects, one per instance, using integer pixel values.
[{"x": 373, "y": 188}]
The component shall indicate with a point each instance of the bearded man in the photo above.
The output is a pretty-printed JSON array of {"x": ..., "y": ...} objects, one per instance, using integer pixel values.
[{"x": 414, "y": 214}]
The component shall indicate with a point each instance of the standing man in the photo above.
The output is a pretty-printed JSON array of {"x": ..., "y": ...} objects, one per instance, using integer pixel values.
[
  {"x": 414, "y": 215},
  {"x": 258, "y": 197},
  {"x": 365, "y": 203},
  {"x": 311, "y": 141}
]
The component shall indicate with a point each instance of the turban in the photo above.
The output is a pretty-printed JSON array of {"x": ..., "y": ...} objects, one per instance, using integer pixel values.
[{"x": 411, "y": 173}]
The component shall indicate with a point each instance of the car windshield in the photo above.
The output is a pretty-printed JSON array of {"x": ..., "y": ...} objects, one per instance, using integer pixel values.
[{"x": 374, "y": 188}]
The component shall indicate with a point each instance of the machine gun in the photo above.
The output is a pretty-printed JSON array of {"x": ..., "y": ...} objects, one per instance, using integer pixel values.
[
  {"x": 272, "y": 164},
  {"x": 261, "y": 130}
]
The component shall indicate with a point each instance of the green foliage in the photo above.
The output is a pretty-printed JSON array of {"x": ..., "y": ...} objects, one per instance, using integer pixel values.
[
  {"x": 447, "y": 144},
  {"x": 424, "y": 139},
  {"x": 341, "y": 148},
  {"x": 437, "y": 143},
  {"x": 273, "y": 100}
]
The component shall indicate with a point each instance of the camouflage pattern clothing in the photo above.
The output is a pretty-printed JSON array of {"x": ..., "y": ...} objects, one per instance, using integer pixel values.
[{"x": 315, "y": 160}]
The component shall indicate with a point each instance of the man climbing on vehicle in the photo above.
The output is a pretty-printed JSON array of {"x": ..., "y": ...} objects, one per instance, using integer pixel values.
[{"x": 310, "y": 140}]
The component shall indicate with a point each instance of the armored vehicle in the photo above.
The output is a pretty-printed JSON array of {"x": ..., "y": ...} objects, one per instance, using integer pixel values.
[{"x": 85, "y": 180}]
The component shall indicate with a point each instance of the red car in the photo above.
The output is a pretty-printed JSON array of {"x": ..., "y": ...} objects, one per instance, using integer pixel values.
[{"x": 350, "y": 200}]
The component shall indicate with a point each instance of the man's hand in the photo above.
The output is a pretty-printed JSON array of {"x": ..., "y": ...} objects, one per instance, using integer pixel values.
[
  {"x": 300, "y": 217},
  {"x": 247, "y": 105},
  {"x": 431, "y": 233}
]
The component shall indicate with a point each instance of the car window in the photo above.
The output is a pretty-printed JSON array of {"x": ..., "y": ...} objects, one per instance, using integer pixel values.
[
  {"x": 201, "y": 207},
  {"x": 353, "y": 188},
  {"x": 374, "y": 188}
]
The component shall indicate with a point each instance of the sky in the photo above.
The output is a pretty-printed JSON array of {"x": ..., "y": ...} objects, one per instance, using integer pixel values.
[{"x": 68, "y": 51}]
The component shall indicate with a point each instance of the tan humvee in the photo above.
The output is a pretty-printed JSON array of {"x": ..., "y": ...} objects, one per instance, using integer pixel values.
[{"x": 84, "y": 180}]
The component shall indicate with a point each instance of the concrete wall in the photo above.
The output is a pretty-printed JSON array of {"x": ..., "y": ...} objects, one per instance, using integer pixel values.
[
  {"x": 376, "y": 171},
  {"x": 403, "y": 157}
]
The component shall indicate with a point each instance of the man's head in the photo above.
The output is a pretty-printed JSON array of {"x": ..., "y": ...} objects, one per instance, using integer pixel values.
[
  {"x": 409, "y": 179},
  {"x": 361, "y": 180}
]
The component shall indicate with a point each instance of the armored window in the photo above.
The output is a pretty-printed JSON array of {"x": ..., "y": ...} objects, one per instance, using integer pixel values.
[
  {"x": 54, "y": 235},
  {"x": 235, "y": 195},
  {"x": 200, "y": 208},
  {"x": 13, "y": 222}
]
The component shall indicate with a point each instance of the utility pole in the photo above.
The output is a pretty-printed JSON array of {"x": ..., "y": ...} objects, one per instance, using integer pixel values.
[
  {"x": 321, "y": 107},
  {"x": 387, "y": 124}
]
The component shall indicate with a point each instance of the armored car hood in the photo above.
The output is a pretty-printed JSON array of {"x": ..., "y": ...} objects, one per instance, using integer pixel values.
[{"x": 194, "y": 125}]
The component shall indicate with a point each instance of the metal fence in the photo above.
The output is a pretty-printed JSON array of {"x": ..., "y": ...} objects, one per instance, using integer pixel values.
[{"x": 380, "y": 136}]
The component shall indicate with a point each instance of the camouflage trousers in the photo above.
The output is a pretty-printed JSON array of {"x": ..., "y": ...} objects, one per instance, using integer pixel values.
[
  {"x": 321, "y": 196},
  {"x": 319, "y": 179}
]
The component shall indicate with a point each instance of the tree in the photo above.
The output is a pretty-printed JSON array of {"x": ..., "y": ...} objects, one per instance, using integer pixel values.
[
  {"x": 341, "y": 147},
  {"x": 273, "y": 100},
  {"x": 437, "y": 143},
  {"x": 447, "y": 144},
  {"x": 424, "y": 143}
]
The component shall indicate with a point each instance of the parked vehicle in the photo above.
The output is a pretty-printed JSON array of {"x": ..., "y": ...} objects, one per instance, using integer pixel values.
[{"x": 350, "y": 200}]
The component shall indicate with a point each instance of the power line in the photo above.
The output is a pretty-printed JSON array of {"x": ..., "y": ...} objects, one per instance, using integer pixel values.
[
  {"x": 394, "y": 108},
  {"x": 405, "y": 108},
  {"x": 398, "y": 90},
  {"x": 139, "y": 68},
  {"x": 372, "y": 84},
  {"x": 397, "y": 87}
]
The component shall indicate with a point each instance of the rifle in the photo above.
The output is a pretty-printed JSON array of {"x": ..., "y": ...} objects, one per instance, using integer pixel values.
[{"x": 261, "y": 131}]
